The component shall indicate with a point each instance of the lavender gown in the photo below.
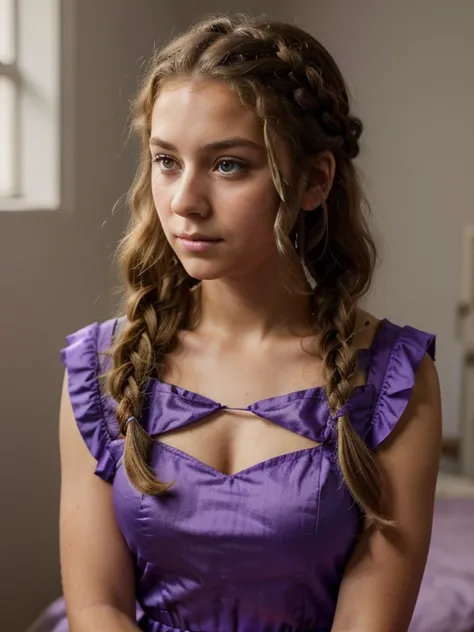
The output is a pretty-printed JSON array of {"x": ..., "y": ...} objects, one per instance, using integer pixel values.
[{"x": 263, "y": 550}]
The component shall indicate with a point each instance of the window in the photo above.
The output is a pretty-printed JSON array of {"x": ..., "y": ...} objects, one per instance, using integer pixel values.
[
  {"x": 29, "y": 104},
  {"x": 9, "y": 91}
]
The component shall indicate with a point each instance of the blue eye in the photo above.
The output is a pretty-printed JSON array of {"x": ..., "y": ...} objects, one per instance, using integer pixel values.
[{"x": 230, "y": 167}]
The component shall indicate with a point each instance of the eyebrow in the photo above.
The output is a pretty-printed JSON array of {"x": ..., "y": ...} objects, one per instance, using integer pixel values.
[{"x": 228, "y": 143}]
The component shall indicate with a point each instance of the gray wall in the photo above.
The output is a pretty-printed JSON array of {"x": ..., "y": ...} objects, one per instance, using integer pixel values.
[{"x": 410, "y": 68}]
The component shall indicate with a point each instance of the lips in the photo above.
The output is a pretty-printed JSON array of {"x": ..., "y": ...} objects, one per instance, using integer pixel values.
[
  {"x": 197, "y": 237},
  {"x": 198, "y": 243}
]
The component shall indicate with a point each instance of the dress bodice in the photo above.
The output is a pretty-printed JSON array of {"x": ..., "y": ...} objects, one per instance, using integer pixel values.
[{"x": 261, "y": 550}]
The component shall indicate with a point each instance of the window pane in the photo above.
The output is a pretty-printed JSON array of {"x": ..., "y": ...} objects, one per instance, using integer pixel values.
[
  {"x": 7, "y": 31},
  {"x": 7, "y": 136}
]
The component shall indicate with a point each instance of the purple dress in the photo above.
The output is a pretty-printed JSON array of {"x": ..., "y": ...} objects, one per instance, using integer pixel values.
[{"x": 262, "y": 550}]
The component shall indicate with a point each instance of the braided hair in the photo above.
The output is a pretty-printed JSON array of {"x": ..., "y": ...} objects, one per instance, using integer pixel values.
[{"x": 294, "y": 87}]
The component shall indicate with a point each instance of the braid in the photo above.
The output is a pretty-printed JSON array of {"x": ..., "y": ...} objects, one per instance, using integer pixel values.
[
  {"x": 289, "y": 70},
  {"x": 150, "y": 332},
  {"x": 356, "y": 460},
  {"x": 134, "y": 356},
  {"x": 316, "y": 98}
]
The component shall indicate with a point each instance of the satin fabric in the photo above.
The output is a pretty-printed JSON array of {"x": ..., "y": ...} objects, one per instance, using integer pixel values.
[{"x": 262, "y": 550}]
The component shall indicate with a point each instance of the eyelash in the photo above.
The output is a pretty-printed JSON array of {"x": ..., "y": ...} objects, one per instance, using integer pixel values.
[{"x": 159, "y": 158}]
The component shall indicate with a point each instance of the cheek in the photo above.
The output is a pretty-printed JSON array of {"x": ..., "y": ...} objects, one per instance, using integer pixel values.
[
  {"x": 256, "y": 210},
  {"x": 155, "y": 191},
  {"x": 160, "y": 200},
  {"x": 253, "y": 198}
]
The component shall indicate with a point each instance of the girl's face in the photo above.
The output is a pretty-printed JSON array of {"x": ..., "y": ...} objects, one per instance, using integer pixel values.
[{"x": 211, "y": 181}]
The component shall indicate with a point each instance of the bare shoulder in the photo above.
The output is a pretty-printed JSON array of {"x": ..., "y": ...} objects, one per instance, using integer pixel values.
[{"x": 365, "y": 330}]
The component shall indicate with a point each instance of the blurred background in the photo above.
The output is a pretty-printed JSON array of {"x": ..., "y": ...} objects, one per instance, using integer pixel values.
[{"x": 68, "y": 70}]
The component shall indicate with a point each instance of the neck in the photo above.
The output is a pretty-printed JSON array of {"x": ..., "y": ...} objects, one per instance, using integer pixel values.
[{"x": 253, "y": 309}]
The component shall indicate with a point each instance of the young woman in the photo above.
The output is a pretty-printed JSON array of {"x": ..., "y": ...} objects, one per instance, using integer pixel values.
[{"x": 265, "y": 451}]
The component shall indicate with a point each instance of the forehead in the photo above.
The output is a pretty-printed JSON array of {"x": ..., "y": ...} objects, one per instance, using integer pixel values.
[{"x": 204, "y": 108}]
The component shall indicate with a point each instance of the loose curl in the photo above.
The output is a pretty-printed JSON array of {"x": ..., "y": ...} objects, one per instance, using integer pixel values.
[{"x": 297, "y": 92}]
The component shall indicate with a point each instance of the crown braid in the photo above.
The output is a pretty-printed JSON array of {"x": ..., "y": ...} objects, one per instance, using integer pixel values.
[{"x": 287, "y": 67}]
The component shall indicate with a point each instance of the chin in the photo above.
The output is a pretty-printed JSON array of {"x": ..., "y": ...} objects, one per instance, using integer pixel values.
[{"x": 203, "y": 271}]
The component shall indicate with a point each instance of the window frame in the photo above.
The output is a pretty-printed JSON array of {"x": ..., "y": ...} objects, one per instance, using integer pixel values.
[
  {"x": 37, "y": 75},
  {"x": 10, "y": 71}
]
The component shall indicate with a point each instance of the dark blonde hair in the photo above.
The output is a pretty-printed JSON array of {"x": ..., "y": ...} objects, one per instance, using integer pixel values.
[{"x": 296, "y": 91}]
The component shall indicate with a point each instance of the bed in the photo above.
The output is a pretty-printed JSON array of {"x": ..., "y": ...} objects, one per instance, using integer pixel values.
[{"x": 446, "y": 599}]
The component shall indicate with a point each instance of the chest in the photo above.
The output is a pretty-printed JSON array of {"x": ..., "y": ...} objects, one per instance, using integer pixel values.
[
  {"x": 239, "y": 434},
  {"x": 237, "y": 376},
  {"x": 231, "y": 441}
]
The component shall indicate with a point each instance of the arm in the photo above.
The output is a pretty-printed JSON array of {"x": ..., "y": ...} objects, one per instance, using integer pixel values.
[
  {"x": 96, "y": 566},
  {"x": 381, "y": 583}
]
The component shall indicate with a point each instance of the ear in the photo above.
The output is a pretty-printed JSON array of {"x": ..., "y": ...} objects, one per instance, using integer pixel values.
[{"x": 317, "y": 181}]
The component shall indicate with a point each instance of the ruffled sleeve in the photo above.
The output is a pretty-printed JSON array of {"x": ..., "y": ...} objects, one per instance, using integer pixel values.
[
  {"x": 85, "y": 361},
  {"x": 397, "y": 378}
]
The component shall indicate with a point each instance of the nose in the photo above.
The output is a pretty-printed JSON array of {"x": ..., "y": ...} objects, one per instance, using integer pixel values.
[{"x": 190, "y": 196}]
